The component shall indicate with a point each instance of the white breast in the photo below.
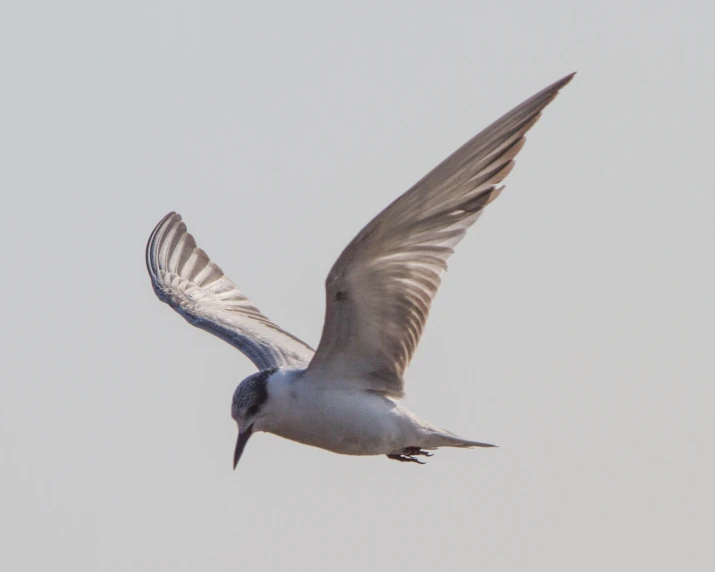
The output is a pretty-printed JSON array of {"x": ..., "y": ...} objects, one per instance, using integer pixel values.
[{"x": 339, "y": 420}]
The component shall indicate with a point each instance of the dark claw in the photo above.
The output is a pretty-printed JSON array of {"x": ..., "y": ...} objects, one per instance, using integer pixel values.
[
  {"x": 417, "y": 451},
  {"x": 405, "y": 459},
  {"x": 409, "y": 455}
]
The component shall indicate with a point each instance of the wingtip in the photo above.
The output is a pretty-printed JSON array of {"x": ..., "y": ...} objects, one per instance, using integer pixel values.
[
  {"x": 561, "y": 83},
  {"x": 167, "y": 216},
  {"x": 565, "y": 80},
  {"x": 148, "y": 251}
]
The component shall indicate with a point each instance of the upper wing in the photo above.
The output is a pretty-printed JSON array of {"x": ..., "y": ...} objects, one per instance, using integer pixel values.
[
  {"x": 380, "y": 289},
  {"x": 184, "y": 277}
]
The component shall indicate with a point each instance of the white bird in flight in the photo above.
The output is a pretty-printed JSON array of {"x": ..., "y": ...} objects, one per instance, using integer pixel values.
[{"x": 343, "y": 396}]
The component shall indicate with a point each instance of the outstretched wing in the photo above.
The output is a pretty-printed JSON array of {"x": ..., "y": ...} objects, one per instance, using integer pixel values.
[
  {"x": 380, "y": 289},
  {"x": 184, "y": 277}
]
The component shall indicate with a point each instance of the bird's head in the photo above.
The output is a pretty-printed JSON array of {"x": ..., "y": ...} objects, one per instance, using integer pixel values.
[{"x": 248, "y": 407}]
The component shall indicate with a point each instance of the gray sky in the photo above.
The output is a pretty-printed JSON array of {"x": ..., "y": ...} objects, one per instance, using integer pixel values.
[{"x": 574, "y": 327}]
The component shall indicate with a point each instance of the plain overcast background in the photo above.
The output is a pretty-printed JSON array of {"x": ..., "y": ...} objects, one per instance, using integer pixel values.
[{"x": 574, "y": 328}]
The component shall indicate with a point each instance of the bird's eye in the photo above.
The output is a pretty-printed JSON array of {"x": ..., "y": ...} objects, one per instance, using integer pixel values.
[{"x": 252, "y": 410}]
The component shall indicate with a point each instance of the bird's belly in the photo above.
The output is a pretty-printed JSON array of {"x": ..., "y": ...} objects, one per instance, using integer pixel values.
[{"x": 345, "y": 423}]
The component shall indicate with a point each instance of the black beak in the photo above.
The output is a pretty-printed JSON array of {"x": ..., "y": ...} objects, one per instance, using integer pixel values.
[{"x": 243, "y": 437}]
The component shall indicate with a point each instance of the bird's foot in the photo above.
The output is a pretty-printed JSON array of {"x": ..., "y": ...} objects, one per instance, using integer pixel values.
[{"x": 409, "y": 455}]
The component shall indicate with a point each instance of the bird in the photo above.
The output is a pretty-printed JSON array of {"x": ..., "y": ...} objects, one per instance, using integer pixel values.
[{"x": 345, "y": 395}]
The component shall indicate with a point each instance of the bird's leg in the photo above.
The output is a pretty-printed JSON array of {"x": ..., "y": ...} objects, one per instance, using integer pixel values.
[
  {"x": 409, "y": 455},
  {"x": 405, "y": 459},
  {"x": 417, "y": 451}
]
